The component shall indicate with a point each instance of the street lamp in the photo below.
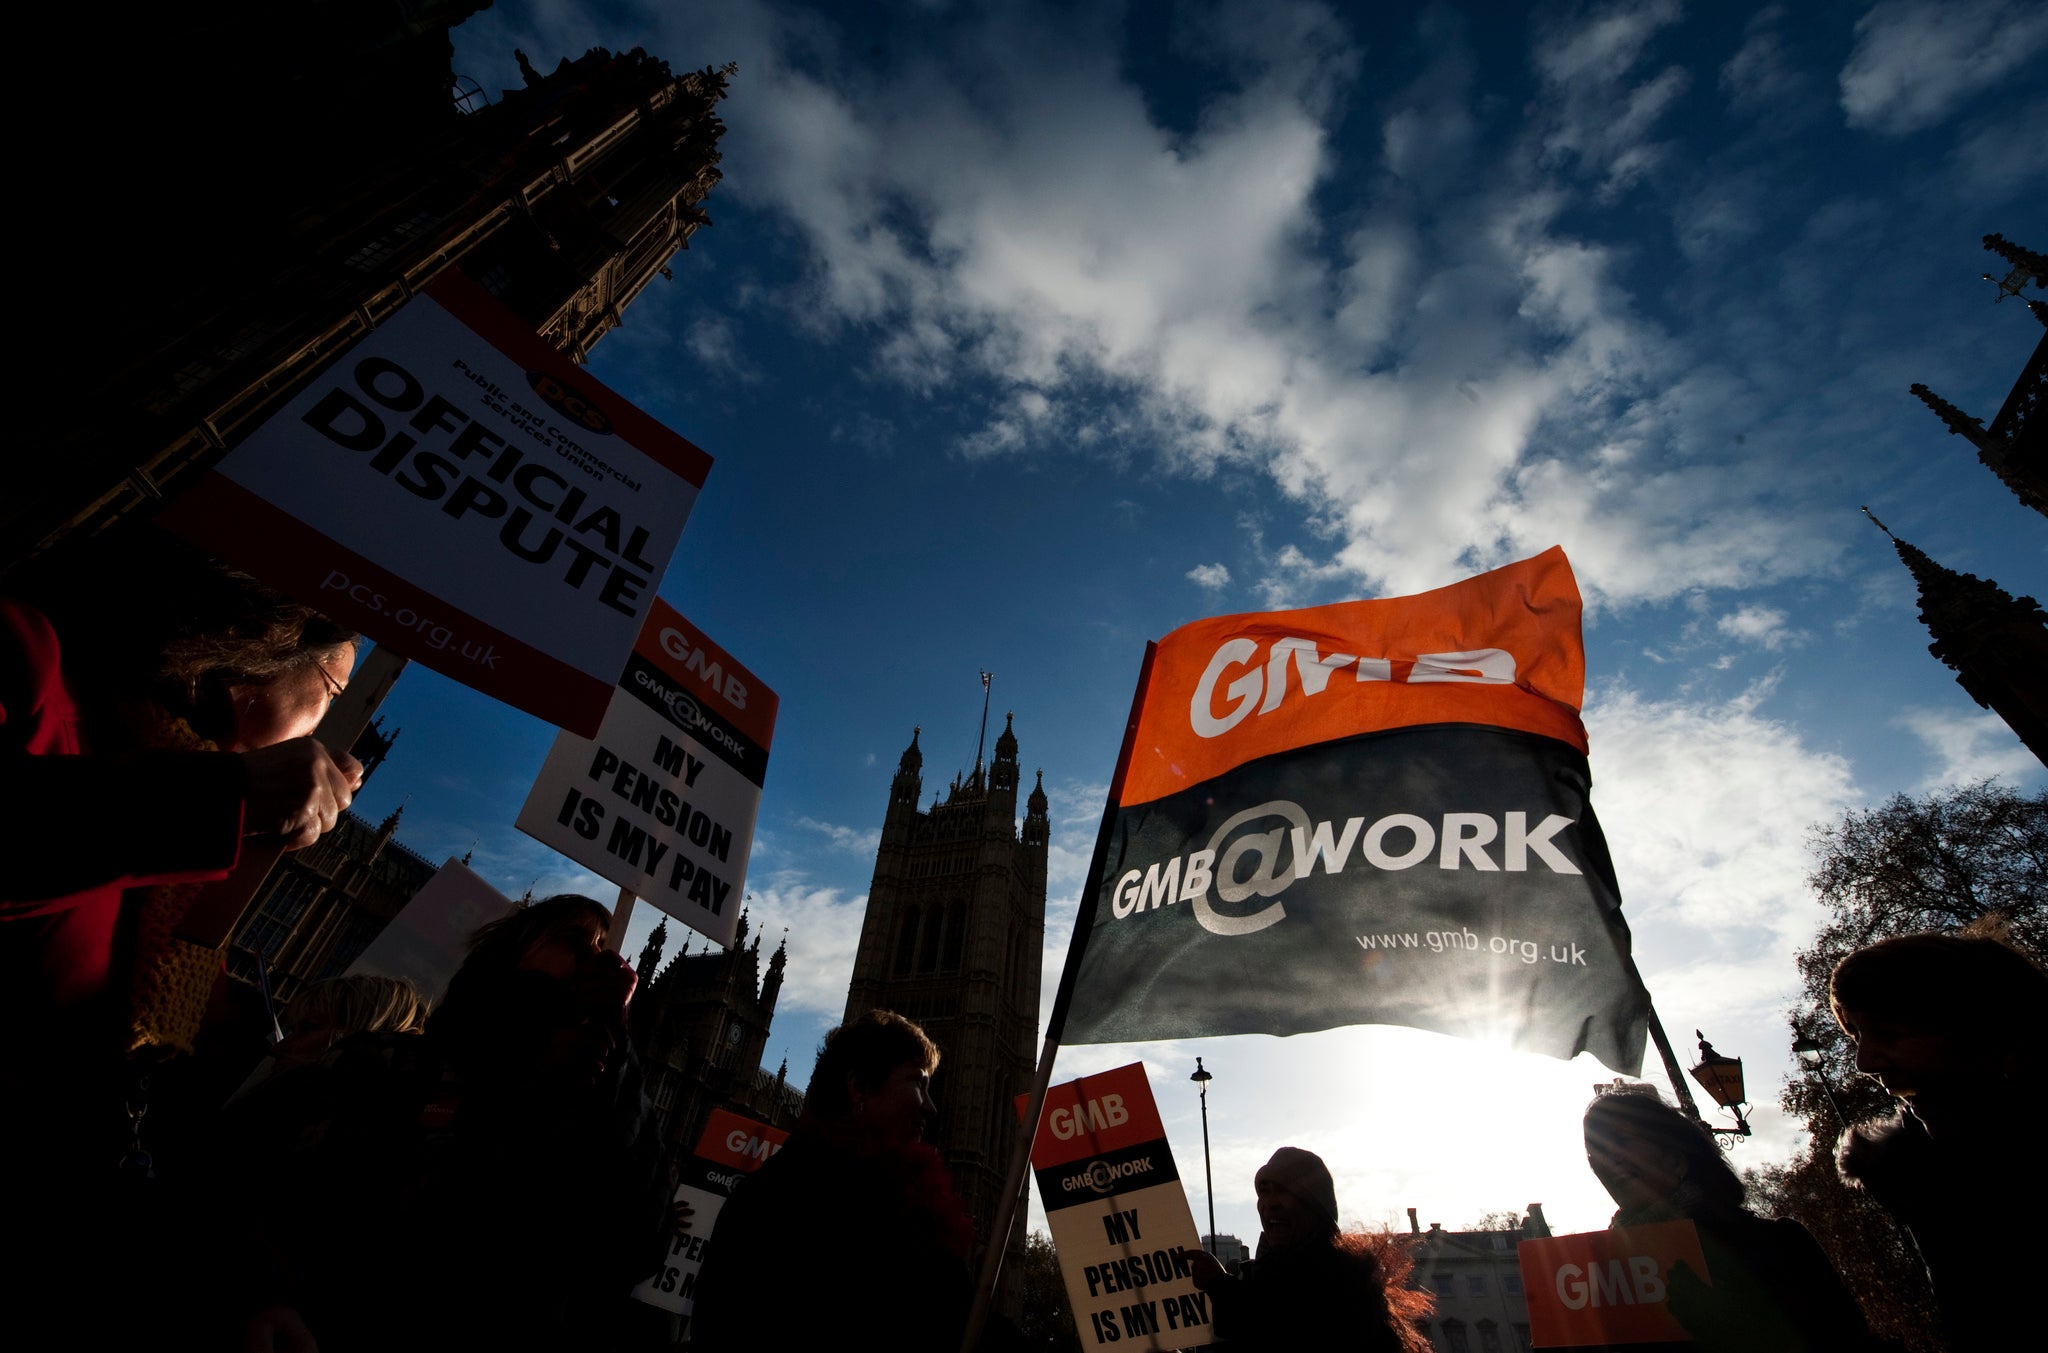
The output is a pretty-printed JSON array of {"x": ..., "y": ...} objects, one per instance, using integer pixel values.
[
  {"x": 1201, "y": 1079},
  {"x": 1721, "y": 1078},
  {"x": 1809, "y": 1052}
]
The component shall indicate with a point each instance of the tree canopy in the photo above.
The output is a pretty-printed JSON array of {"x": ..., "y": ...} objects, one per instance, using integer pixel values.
[
  {"x": 1936, "y": 863},
  {"x": 1942, "y": 862}
]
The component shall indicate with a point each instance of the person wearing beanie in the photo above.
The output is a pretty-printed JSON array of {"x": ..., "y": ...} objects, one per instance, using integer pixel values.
[{"x": 1313, "y": 1286}]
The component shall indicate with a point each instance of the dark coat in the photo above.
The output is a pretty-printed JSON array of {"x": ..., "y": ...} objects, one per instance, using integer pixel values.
[
  {"x": 1773, "y": 1290},
  {"x": 405, "y": 1195},
  {"x": 1318, "y": 1295},
  {"x": 1958, "y": 1204},
  {"x": 833, "y": 1245}
]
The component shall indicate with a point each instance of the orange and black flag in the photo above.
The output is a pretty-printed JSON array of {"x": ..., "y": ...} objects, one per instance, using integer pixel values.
[{"x": 1373, "y": 812}]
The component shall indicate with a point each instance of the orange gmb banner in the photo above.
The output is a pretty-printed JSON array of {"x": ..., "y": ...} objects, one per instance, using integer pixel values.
[
  {"x": 1503, "y": 648},
  {"x": 680, "y": 651},
  {"x": 738, "y": 1143},
  {"x": 1093, "y": 1116},
  {"x": 1607, "y": 1287}
]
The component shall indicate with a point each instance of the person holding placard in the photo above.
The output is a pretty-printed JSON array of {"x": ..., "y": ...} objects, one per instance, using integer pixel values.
[
  {"x": 1312, "y": 1286},
  {"x": 1769, "y": 1288},
  {"x": 156, "y": 708},
  {"x": 853, "y": 1231}
]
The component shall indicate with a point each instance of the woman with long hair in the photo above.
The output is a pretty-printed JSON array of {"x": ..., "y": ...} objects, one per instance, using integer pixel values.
[
  {"x": 1312, "y": 1285},
  {"x": 1769, "y": 1288}
]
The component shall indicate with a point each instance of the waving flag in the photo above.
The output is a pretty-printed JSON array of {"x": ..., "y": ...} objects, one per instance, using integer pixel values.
[{"x": 1373, "y": 812}]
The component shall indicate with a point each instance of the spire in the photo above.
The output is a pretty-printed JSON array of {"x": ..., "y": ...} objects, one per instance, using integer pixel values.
[
  {"x": 1992, "y": 641},
  {"x": 778, "y": 964},
  {"x": 650, "y": 954},
  {"x": 1003, "y": 775},
  {"x": 385, "y": 832},
  {"x": 909, "y": 780},
  {"x": 1037, "y": 826},
  {"x": 1959, "y": 424},
  {"x": 2030, "y": 266},
  {"x": 739, "y": 936},
  {"x": 2011, "y": 447}
]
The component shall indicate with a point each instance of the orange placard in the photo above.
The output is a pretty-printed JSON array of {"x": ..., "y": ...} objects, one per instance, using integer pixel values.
[
  {"x": 1607, "y": 1287},
  {"x": 1094, "y": 1115},
  {"x": 1503, "y": 649},
  {"x": 681, "y": 652},
  {"x": 738, "y": 1143}
]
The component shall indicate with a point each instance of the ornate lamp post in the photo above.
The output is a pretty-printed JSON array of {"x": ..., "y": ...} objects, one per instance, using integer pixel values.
[
  {"x": 1809, "y": 1052},
  {"x": 1721, "y": 1078},
  {"x": 1201, "y": 1079}
]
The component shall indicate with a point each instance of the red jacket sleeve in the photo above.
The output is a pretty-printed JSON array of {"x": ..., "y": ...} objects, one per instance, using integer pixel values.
[{"x": 78, "y": 824}]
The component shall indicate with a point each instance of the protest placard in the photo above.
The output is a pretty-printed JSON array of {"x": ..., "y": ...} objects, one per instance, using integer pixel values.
[
  {"x": 428, "y": 939},
  {"x": 662, "y": 801},
  {"x": 461, "y": 492},
  {"x": 1607, "y": 1287},
  {"x": 1117, "y": 1213},
  {"x": 730, "y": 1148}
]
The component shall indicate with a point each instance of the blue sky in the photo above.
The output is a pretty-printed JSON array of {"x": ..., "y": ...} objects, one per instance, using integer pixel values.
[{"x": 1026, "y": 333}]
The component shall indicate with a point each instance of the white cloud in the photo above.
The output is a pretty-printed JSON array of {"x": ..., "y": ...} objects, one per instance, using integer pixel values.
[
  {"x": 1967, "y": 745},
  {"x": 711, "y": 340},
  {"x": 1916, "y": 61},
  {"x": 824, "y": 933},
  {"x": 1763, "y": 626},
  {"x": 1215, "y": 577},
  {"x": 1707, "y": 809},
  {"x": 844, "y": 838},
  {"x": 1598, "y": 117},
  {"x": 1422, "y": 387},
  {"x": 1759, "y": 73},
  {"x": 2005, "y": 157}
]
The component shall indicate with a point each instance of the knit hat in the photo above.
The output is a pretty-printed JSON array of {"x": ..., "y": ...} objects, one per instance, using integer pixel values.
[{"x": 1303, "y": 1174}]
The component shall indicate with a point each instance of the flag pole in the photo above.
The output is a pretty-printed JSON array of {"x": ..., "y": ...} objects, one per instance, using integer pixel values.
[
  {"x": 1616, "y": 926},
  {"x": 1015, "y": 1180},
  {"x": 622, "y": 916}
]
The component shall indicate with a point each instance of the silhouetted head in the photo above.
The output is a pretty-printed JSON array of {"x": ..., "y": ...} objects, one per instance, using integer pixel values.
[
  {"x": 874, "y": 1075},
  {"x": 1297, "y": 1198},
  {"x": 1650, "y": 1157},
  {"x": 329, "y": 1011},
  {"x": 1942, "y": 1018},
  {"x": 145, "y": 615}
]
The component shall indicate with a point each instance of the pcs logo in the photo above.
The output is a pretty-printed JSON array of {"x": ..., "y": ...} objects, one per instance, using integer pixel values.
[{"x": 571, "y": 403}]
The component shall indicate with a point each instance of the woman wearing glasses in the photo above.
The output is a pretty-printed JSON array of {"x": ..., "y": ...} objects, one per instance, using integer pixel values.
[{"x": 155, "y": 708}]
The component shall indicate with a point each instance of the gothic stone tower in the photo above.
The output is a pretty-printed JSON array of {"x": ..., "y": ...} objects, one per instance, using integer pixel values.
[
  {"x": 700, "y": 1023},
  {"x": 283, "y": 230},
  {"x": 952, "y": 939}
]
